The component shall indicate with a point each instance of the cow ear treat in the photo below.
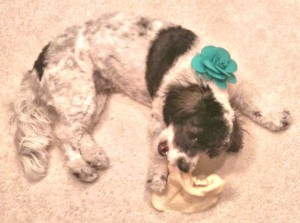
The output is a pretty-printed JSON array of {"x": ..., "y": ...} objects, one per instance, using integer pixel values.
[{"x": 187, "y": 193}]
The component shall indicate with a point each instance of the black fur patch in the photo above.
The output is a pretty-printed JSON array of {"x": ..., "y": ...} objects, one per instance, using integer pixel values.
[
  {"x": 41, "y": 63},
  {"x": 197, "y": 118},
  {"x": 166, "y": 48},
  {"x": 143, "y": 25},
  {"x": 143, "y": 22},
  {"x": 236, "y": 137}
]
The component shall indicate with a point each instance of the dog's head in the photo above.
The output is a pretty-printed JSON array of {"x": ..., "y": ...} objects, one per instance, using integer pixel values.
[{"x": 197, "y": 123}]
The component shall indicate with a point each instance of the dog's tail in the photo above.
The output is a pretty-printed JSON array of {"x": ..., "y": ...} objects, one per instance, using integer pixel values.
[{"x": 32, "y": 127}]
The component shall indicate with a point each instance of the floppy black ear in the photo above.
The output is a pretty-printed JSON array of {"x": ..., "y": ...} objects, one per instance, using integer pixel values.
[
  {"x": 181, "y": 102},
  {"x": 236, "y": 137}
]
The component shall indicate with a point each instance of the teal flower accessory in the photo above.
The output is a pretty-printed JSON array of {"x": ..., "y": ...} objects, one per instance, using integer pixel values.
[{"x": 215, "y": 63}]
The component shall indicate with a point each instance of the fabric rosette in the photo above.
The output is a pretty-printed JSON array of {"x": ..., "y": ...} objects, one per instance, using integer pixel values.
[{"x": 215, "y": 64}]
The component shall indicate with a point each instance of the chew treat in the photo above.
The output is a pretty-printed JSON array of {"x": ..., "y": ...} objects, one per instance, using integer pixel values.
[{"x": 187, "y": 193}]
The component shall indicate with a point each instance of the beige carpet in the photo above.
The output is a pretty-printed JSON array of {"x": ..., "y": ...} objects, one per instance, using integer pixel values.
[{"x": 262, "y": 181}]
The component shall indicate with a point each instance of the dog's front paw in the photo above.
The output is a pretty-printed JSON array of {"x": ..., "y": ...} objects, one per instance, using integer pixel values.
[
  {"x": 95, "y": 157},
  {"x": 280, "y": 121},
  {"x": 274, "y": 121},
  {"x": 157, "y": 183},
  {"x": 82, "y": 170}
]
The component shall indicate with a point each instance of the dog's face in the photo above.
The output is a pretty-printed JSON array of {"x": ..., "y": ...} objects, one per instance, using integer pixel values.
[{"x": 196, "y": 124}]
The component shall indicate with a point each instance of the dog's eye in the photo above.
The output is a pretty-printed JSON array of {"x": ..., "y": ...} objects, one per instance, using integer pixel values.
[{"x": 163, "y": 148}]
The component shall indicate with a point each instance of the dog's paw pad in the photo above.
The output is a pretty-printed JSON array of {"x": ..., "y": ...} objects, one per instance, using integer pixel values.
[{"x": 158, "y": 183}]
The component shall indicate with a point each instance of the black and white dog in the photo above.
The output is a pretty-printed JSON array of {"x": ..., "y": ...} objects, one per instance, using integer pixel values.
[{"x": 146, "y": 59}]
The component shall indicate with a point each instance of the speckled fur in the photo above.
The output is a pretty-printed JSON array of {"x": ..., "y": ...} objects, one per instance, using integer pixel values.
[{"x": 84, "y": 66}]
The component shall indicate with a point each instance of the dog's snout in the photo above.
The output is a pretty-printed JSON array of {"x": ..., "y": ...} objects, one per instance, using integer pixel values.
[{"x": 183, "y": 165}]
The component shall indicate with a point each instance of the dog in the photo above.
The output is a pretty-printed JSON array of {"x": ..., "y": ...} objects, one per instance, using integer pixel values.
[{"x": 63, "y": 95}]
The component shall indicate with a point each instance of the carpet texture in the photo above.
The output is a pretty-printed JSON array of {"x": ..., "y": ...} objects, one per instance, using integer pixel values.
[{"x": 262, "y": 181}]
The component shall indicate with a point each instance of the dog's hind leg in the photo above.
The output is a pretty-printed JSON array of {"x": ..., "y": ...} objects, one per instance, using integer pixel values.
[{"x": 78, "y": 108}]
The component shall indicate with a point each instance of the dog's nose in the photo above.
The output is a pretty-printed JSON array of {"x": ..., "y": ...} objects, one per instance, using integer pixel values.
[{"x": 183, "y": 165}]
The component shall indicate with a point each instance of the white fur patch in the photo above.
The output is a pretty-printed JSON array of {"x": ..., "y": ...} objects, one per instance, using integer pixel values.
[{"x": 175, "y": 153}]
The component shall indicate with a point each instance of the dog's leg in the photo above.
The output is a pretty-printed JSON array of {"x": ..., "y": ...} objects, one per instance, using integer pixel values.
[
  {"x": 258, "y": 112},
  {"x": 78, "y": 108},
  {"x": 77, "y": 165},
  {"x": 158, "y": 169}
]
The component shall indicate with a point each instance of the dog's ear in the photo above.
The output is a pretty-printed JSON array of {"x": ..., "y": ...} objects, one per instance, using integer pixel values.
[
  {"x": 236, "y": 138},
  {"x": 181, "y": 102}
]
